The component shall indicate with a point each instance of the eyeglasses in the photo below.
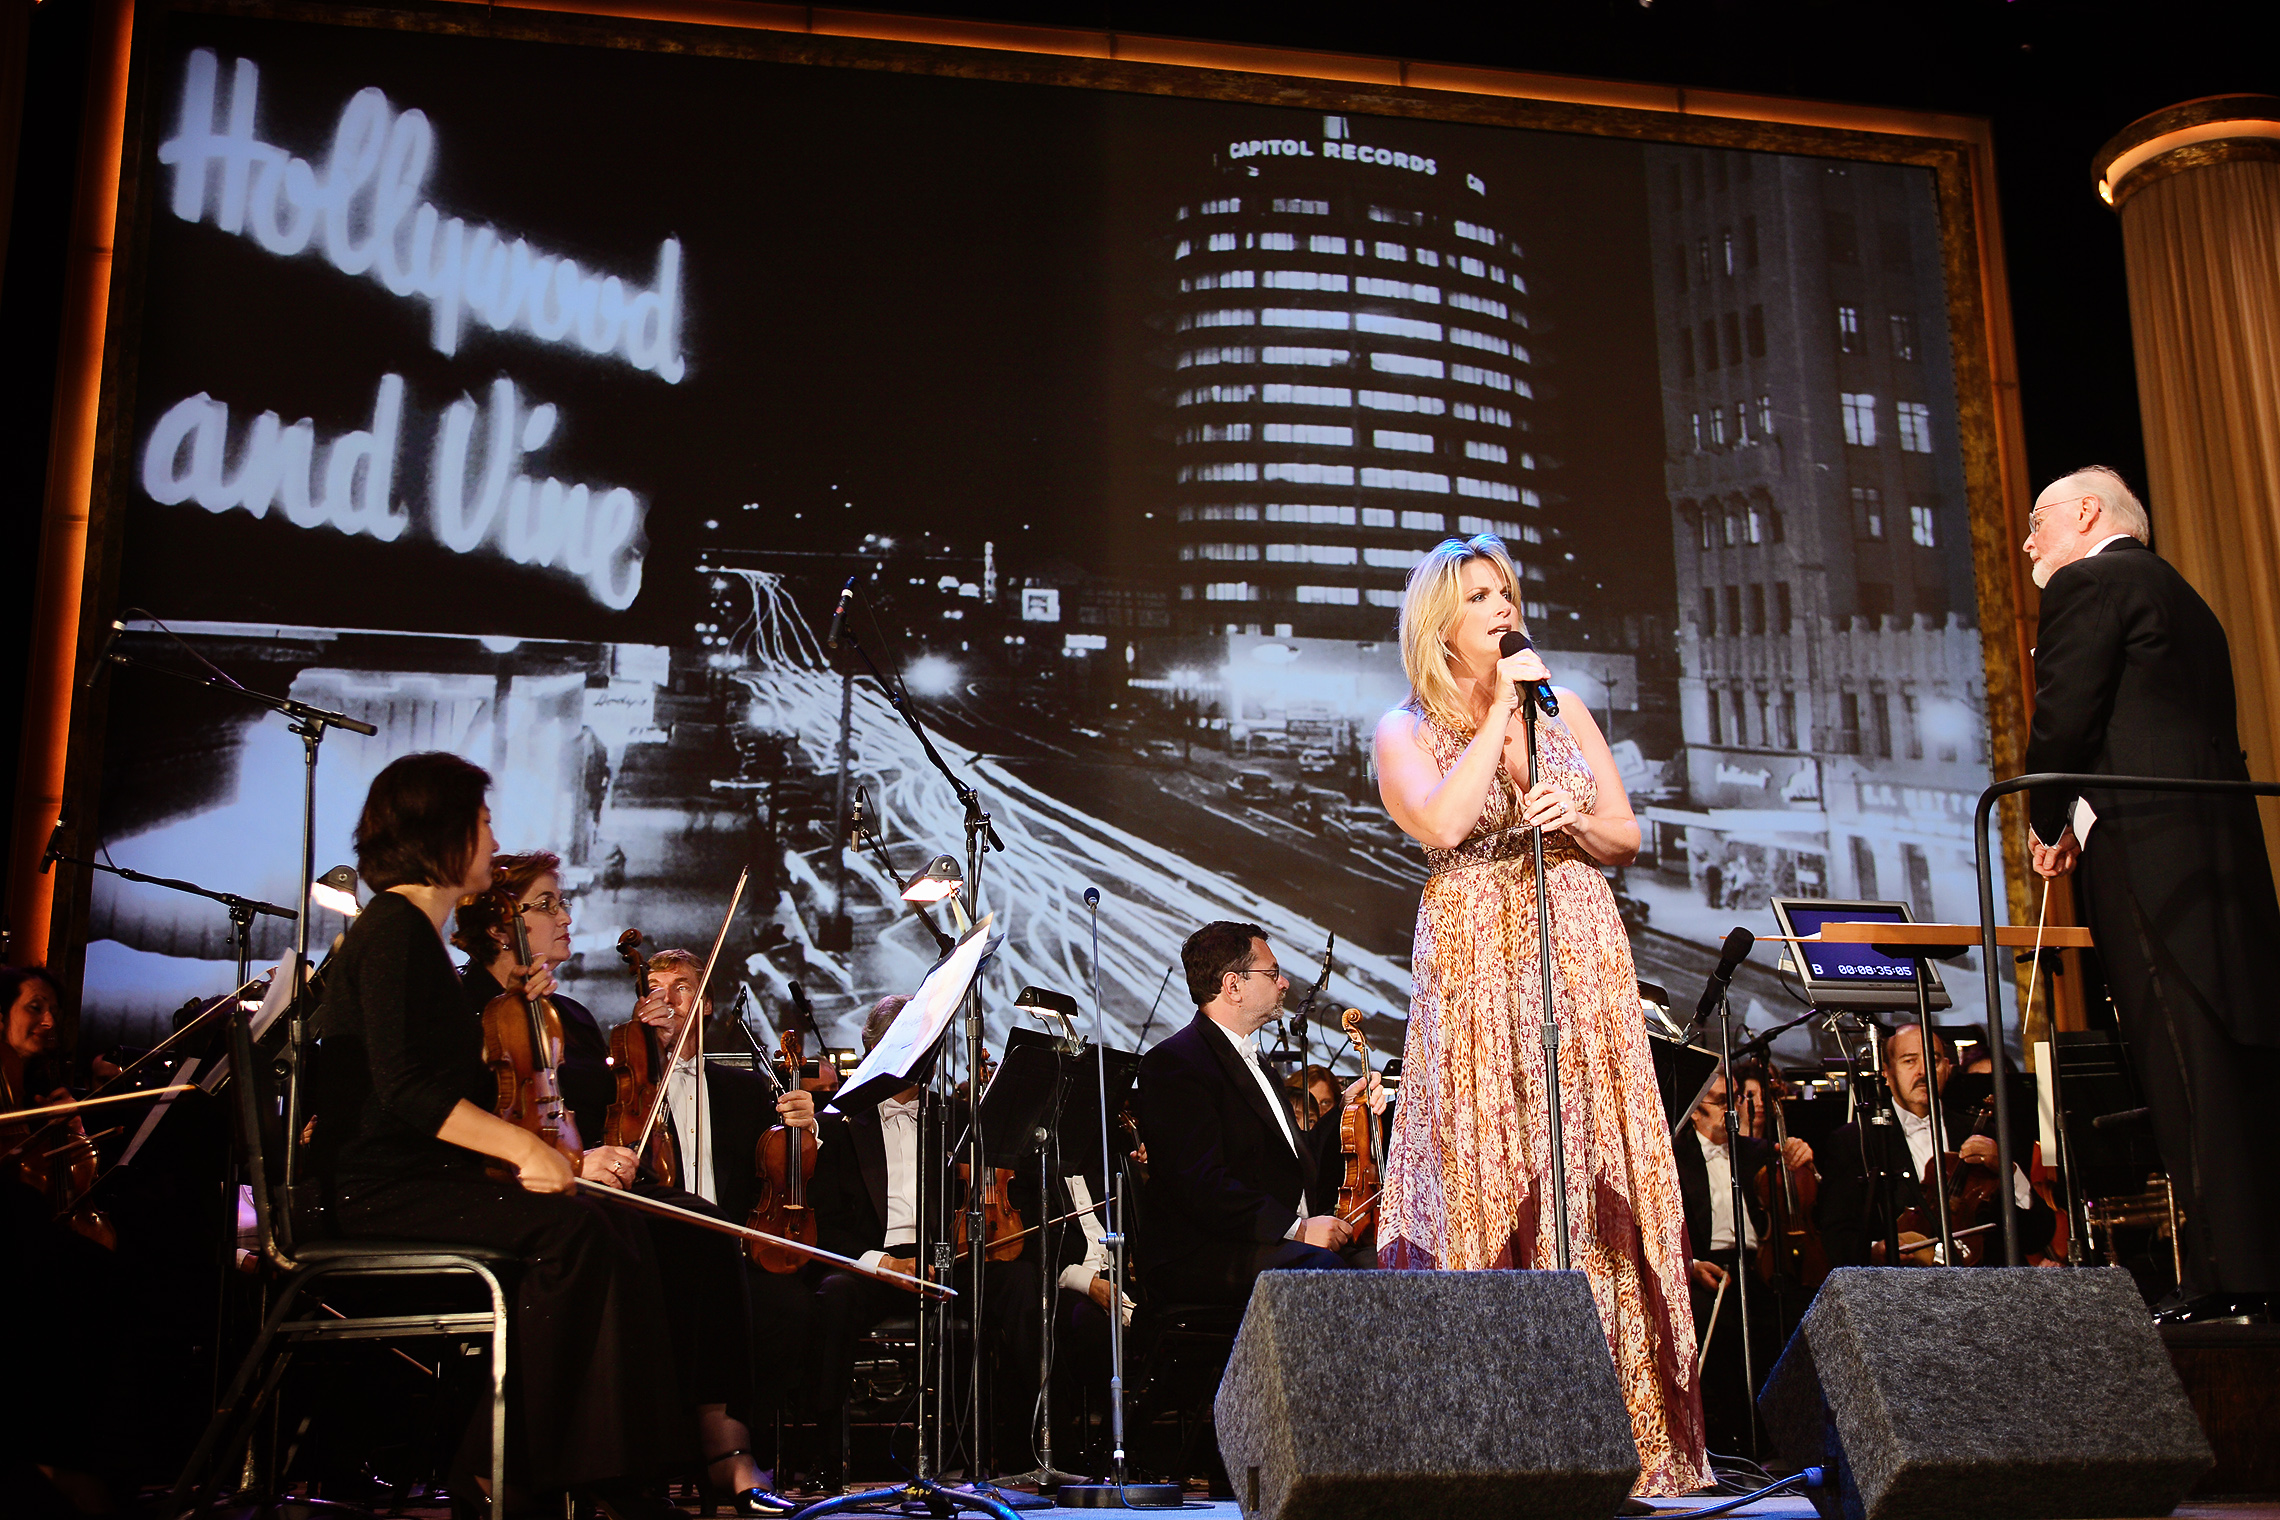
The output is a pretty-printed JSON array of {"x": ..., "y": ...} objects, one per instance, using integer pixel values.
[
  {"x": 1274, "y": 971},
  {"x": 552, "y": 904}
]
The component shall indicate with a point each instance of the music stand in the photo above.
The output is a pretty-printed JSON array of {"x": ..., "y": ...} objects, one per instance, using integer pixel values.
[{"x": 907, "y": 1056}]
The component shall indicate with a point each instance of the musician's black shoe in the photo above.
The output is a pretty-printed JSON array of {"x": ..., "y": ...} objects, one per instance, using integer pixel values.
[
  {"x": 2215, "y": 1308},
  {"x": 765, "y": 1504},
  {"x": 626, "y": 1499}
]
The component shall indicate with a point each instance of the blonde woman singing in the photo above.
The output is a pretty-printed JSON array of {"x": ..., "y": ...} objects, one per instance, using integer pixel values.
[{"x": 1466, "y": 1179}]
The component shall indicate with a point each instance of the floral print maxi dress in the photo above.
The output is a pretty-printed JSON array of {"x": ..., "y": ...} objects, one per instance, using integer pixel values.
[{"x": 1468, "y": 1171}]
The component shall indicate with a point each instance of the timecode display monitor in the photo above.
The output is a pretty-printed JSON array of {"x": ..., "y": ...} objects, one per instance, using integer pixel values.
[{"x": 1857, "y": 977}]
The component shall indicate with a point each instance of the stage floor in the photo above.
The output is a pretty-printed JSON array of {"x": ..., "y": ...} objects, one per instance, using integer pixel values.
[{"x": 1777, "y": 1508}]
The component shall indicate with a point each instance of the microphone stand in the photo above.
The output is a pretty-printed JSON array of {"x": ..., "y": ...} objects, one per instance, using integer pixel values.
[
  {"x": 981, "y": 836},
  {"x": 309, "y": 723},
  {"x": 242, "y": 910},
  {"x": 1551, "y": 1028},
  {"x": 1740, "y": 1207},
  {"x": 1117, "y": 1492}
]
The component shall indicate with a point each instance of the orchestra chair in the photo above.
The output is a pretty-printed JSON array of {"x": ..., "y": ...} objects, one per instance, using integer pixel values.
[
  {"x": 1181, "y": 1353},
  {"x": 297, "y": 1319}
]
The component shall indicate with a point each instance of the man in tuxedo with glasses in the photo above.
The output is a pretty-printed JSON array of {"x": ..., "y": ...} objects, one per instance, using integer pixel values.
[
  {"x": 2133, "y": 676},
  {"x": 1235, "y": 1186}
]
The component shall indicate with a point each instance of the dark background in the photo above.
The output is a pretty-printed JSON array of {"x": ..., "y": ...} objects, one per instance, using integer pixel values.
[{"x": 2057, "y": 79}]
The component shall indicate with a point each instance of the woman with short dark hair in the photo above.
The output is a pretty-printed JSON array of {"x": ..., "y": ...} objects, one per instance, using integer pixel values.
[{"x": 412, "y": 1151}]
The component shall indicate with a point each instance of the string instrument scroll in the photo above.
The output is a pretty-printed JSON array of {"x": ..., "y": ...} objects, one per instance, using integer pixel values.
[
  {"x": 1362, "y": 1143},
  {"x": 522, "y": 1044},
  {"x": 634, "y": 1064}
]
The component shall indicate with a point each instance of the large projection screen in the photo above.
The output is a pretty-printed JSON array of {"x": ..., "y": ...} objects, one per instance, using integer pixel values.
[{"x": 532, "y": 393}]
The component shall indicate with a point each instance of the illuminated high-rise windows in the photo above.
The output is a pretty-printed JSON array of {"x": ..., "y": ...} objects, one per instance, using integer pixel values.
[{"x": 1340, "y": 396}]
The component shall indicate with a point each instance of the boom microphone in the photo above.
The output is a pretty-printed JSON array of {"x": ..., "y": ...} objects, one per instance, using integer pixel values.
[
  {"x": 1512, "y": 643},
  {"x": 839, "y": 615},
  {"x": 102, "y": 655},
  {"x": 54, "y": 851},
  {"x": 1092, "y": 899},
  {"x": 1736, "y": 951}
]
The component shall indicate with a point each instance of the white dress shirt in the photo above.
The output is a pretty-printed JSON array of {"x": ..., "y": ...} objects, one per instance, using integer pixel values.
[
  {"x": 898, "y": 1125},
  {"x": 2084, "y": 815},
  {"x": 1247, "y": 1051},
  {"x": 685, "y": 1096},
  {"x": 1079, "y": 1277},
  {"x": 1722, "y": 1198}
]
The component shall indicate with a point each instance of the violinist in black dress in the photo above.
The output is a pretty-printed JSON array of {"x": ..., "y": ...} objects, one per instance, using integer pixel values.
[
  {"x": 703, "y": 1273},
  {"x": 409, "y": 1146}
]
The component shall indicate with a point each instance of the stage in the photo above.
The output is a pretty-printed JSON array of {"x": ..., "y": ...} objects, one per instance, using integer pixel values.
[{"x": 1780, "y": 1507}]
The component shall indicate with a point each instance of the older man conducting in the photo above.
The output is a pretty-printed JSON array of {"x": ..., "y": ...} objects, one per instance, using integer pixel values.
[{"x": 2133, "y": 676}]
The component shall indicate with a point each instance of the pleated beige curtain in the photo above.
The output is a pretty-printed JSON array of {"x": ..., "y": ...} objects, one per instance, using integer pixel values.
[{"x": 2203, "y": 251}]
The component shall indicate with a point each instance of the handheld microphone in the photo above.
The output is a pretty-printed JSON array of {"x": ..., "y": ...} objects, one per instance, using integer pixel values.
[
  {"x": 54, "y": 849},
  {"x": 839, "y": 615},
  {"x": 1736, "y": 951},
  {"x": 102, "y": 655},
  {"x": 1092, "y": 899},
  {"x": 1512, "y": 643}
]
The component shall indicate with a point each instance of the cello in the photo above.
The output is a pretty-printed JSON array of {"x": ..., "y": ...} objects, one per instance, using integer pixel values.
[
  {"x": 1362, "y": 1144},
  {"x": 522, "y": 1044},
  {"x": 635, "y": 1063},
  {"x": 785, "y": 1159}
]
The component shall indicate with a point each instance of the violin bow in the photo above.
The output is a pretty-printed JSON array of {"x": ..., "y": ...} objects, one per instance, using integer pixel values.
[
  {"x": 723, "y": 1227},
  {"x": 696, "y": 1017},
  {"x": 76, "y": 1105}
]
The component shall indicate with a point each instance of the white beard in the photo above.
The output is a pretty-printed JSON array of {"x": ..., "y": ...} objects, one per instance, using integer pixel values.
[{"x": 2042, "y": 573}]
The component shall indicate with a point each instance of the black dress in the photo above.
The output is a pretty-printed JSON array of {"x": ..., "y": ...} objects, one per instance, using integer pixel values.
[{"x": 593, "y": 1381}]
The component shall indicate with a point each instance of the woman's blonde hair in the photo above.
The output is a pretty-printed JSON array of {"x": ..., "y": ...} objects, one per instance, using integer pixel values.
[{"x": 1430, "y": 608}]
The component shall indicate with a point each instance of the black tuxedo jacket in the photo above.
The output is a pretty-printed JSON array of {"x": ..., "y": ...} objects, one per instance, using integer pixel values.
[
  {"x": 1694, "y": 1186},
  {"x": 2133, "y": 676},
  {"x": 1220, "y": 1172},
  {"x": 849, "y": 1189}
]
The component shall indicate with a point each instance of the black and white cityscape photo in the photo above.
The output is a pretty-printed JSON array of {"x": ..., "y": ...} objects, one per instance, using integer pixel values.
[{"x": 536, "y": 403}]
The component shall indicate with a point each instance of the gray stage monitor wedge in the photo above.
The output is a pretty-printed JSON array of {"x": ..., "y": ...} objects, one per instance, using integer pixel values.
[
  {"x": 1984, "y": 1394},
  {"x": 1424, "y": 1396}
]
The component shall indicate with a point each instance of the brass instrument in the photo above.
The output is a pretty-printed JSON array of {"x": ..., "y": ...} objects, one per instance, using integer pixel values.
[{"x": 2154, "y": 1209}]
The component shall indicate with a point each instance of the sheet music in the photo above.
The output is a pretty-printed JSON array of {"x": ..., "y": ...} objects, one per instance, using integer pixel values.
[{"x": 916, "y": 1030}]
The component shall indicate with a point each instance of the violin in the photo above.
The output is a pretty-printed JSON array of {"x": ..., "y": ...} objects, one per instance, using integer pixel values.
[
  {"x": 1971, "y": 1186},
  {"x": 639, "y": 1069},
  {"x": 1135, "y": 1151},
  {"x": 522, "y": 1044},
  {"x": 1001, "y": 1222},
  {"x": 57, "y": 1161},
  {"x": 785, "y": 1161},
  {"x": 1791, "y": 1255},
  {"x": 1361, "y": 1143}
]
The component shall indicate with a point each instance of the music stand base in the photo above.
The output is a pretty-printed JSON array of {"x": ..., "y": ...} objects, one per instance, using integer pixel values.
[
  {"x": 1120, "y": 1496},
  {"x": 911, "y": 1496},
  {"x": 995, "y": 1488}
]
